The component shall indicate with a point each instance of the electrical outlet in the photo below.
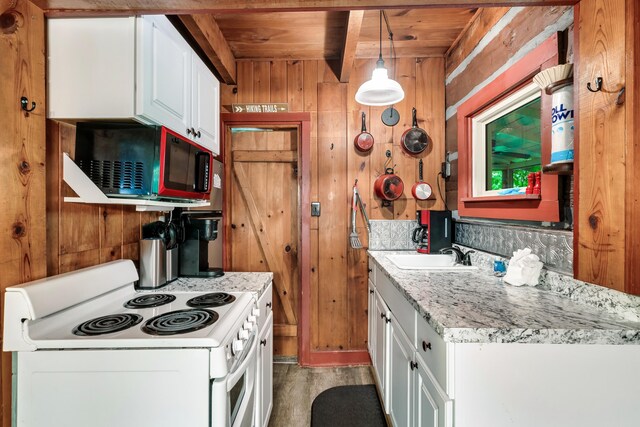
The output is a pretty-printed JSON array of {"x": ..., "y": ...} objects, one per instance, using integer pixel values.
[{"x": 445, "y": 167}]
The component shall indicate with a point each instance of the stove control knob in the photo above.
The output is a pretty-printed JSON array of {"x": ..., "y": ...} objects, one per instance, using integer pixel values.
[
  {"x": 251, "y": 319},
  {"x": 255, "y": 312},
  {"x": 237, "y": 346},
  {"x": 243, "y": 334},
  {"x": 247, "y": 325}
]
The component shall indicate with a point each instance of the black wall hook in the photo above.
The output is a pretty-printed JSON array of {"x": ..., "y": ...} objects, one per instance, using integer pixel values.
[
  {"x": 598, "y": 85},
  {"x": 24, "y": 101}
]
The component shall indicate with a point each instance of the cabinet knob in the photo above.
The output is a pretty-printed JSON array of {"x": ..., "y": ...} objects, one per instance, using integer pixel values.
[
  {"x": 426, "y": 346},
  {"x": 370, "y": 270},
  {"x": 413, "y": 365},
  {"x": 189, "y": 131},
  {"x": 198, "y": 134},
  {"x": 263, "y": 342},
  {"x": 371, "y": 291},
  {"x": 269, "y": 305}
]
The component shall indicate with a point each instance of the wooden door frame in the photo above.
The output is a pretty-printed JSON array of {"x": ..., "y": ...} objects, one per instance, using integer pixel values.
[{"x": 302, "y": 121}]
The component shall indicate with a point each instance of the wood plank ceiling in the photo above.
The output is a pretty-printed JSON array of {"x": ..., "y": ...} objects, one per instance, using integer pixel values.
[{"x": 321, "y": 35}]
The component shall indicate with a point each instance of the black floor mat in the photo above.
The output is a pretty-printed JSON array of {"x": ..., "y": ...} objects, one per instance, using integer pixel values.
[{"x": 348, "y": 406}]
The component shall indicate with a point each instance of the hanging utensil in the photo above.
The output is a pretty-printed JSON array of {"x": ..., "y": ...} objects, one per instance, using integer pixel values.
[
  {"x": 364, "y": 140},
  {"x": 390, "y": 116},
  {"x": 421, "y": 190},
  {"x": 363, "y": 210},
  {"x": 354, "y": 240},
  {"x": 414, "y": 140}
]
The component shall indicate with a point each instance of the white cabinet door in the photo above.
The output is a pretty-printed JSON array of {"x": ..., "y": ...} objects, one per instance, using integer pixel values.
[
  {"x": 371, "y": 310},
  {"x": 264, "y": 400},
  {"x": 432, "y": 407},
  {"x": 205, "y": 106},
  {"x": 163, "y": 74},
  {"x": 401, "y": 367},
  {"x": 381, "y": 352}
]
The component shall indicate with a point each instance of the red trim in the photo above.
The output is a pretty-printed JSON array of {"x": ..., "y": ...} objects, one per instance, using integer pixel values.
[
  {"x": 576, "y": 143},
  {"x": 336, "y": 358},
  {"x": 545, "y": 209},
  {"x": 163, "y": 190},
  {"x": 303, "y": 122}
]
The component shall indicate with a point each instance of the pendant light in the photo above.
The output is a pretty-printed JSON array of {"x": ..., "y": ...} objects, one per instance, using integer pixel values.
[{"x": 380, "y": 90}]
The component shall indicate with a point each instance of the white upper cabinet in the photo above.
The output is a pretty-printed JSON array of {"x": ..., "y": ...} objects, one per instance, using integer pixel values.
[
  {"x": 205, "y": 101},
  {"x": 163, "y": 75},
  {"x": 132, "y": 68}
]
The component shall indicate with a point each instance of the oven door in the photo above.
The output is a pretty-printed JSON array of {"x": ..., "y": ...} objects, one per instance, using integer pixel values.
[
  {"x": 241, "y": 387},
  {"x": 185, "y": 168}
]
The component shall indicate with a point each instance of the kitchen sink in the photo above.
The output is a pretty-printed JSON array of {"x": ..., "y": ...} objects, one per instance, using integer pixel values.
[{"x": 428, "y": 262}]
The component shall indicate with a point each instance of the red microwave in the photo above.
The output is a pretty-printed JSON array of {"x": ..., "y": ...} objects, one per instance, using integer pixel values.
[{"x": 134, "y": 160}]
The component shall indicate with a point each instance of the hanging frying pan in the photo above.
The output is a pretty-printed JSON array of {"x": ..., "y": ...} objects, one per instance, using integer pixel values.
[
  {"x": 388, "y": 186},
  {"x": 364, "y": 140},
  {"x": 415, "y": 140},
  {"x": 421, "y": 190}
]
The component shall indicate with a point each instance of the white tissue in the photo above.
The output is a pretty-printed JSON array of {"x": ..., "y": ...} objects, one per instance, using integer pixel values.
[{"x": 523, "y": 269}]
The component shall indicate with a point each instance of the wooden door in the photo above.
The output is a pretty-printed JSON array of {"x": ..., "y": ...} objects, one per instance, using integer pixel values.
[{"x": 264, "y": 219}]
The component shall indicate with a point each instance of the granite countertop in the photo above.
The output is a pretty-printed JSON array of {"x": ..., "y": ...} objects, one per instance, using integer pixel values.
[
  {"x": 476, "y": 307},
  {"x": 230, "y": 282}
]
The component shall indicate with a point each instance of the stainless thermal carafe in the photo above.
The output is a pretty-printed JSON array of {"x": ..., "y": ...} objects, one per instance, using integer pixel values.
[{"x": 153, "y": 263}]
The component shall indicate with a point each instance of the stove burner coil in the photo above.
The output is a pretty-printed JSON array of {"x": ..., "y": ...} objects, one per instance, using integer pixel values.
[
  {"x": 180, "y": 321},
  {"x": 149, "y": 300},
  {"x": 107, "y": 324},
  {"x": 215, "y": 299}
]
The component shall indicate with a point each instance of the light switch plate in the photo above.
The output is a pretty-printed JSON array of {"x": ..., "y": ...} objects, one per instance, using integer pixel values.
[{"x": 315, "y": 208}]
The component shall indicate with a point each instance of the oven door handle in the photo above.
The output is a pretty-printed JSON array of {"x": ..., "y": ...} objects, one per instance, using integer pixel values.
[{"x": 240, "y": 367}]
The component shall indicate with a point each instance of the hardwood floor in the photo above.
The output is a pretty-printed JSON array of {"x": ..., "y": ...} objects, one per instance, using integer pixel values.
[{"x": 294, "y": 389}]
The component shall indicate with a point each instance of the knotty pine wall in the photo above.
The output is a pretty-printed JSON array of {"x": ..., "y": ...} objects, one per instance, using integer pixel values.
[
  {"x": 339, "y": 273},
  {"x": 469, "y": 68},
  {"x": 22, "y": 162}
]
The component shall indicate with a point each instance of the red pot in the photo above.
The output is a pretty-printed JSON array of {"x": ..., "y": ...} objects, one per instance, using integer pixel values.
[{"x": 388, "y": 186}]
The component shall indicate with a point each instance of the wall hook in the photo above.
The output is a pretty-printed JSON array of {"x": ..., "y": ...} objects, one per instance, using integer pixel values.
[
  {"x": 598, "y": 85},
  {"x": 24, "y": 101}
]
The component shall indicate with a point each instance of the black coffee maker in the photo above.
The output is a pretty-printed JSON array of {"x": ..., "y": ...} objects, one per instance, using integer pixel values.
[
  {"x": 199, "y": 228},
  {"x": 433, "y": 232}
]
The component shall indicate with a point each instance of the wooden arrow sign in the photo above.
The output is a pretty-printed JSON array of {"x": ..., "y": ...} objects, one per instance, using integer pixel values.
[{"x": 260, "y": 108}]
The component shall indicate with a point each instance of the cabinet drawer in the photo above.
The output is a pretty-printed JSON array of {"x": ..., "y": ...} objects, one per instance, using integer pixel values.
[
  {"x": 433, "y": 350},
  {"x": 398, "y": 304},
  {"x": 265, "y": 305}
]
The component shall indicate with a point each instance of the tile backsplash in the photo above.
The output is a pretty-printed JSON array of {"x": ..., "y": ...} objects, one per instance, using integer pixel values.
[
  {"x": 392, "y": 235},
  {"x": 554, "y": 247}
]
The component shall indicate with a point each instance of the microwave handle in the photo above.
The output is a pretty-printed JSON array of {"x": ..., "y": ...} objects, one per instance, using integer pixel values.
[{"x": 203, "y": 171}]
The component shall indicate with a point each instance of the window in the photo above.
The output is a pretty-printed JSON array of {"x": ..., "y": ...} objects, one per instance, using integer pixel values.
[
  {"x": 506, "y": 143},
  {"x": 503, "y": 135}
]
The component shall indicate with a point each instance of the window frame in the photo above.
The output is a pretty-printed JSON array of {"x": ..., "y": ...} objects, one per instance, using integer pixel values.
[
  {"x": 479, "y": 124},
  {"x": 526, "y": 207}
]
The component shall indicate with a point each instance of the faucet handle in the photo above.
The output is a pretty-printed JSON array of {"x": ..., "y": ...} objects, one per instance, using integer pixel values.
[{"x": 466, "y": 258}]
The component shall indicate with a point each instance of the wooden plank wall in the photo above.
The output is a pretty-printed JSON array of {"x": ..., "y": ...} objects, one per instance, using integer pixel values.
[
  {"x": 339, "y": 273},
  {"x": 601, "y": 209},
  {"x": 80, "y": 235},
  {"x": 22, "y": 161},
  {"x": 522, "y": 28}
]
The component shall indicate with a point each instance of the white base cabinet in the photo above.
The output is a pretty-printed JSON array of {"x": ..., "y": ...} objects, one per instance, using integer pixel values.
[
  {"x": 131, "y": 68},
  {"x": 427, "y": 382}
]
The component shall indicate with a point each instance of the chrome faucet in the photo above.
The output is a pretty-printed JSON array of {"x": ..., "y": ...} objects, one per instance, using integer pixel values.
[{"x": 463, "y": 258}]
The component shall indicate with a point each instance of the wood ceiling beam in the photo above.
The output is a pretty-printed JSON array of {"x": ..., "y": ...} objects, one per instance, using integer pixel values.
[
  {"x": 205, "y": 31},
  {"x": 352, "y": 34},
  {"x": 79, "y": 7}
]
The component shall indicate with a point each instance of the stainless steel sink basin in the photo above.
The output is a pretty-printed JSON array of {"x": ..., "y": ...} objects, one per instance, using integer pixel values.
[{"x": 428, "y": 262}]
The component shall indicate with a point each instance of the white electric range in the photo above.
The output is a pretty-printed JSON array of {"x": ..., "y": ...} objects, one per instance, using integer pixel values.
[{"x": 90, "y": 350}]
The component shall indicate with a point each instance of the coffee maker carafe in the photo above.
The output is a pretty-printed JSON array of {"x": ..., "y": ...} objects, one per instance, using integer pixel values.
[
  {"x": 200, "y": 228},
  {"x": 433, "y": 232}
]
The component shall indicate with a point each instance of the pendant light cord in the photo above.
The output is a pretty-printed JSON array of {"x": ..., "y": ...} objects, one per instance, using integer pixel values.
[{"x": 392, "y": 50}]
